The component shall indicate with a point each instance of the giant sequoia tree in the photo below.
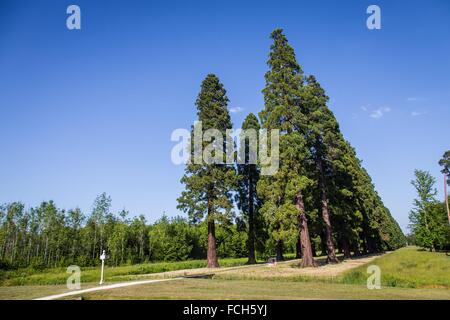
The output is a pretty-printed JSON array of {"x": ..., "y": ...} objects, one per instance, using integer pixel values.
[
  {"x": 249, "y": 173},
  {"x": 353, "y": 216},
  {"x": 209, "y": 185},
  {"x": 325, "y": 142},
  {"x": 284, "y": 192}
]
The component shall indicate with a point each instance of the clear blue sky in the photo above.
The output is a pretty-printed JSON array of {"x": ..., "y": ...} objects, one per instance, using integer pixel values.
[{"x": 91, "y": 111}]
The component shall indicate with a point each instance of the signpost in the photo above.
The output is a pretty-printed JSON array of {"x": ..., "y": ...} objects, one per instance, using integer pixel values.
[{"x": 102, "y": 257}]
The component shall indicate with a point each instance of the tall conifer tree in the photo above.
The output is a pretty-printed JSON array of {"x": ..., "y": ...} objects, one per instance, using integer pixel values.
[
  {"x": 325, "y": 142},
  {"x": 284, "y": 192},
  {"x": 248, "y": 200},
  {"x": 209, "y": 186}
]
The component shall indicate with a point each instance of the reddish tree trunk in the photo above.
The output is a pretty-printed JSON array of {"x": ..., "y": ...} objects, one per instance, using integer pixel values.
[
  {"x": 212, "y": 252},
  {"x": 305, "y": 241},
  {"x": 331, "y": 254},
  {"x": 251, "y": 223}
]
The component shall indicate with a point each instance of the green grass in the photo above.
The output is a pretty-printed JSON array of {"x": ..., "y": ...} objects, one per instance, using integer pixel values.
[
  {"x": 232, "y": 289},
  {"x": 92, "y": 274},
  {"x": 407, "y": 267},
  {"x": 192, "y": 289},
  {"x": 408, "y": 273}
]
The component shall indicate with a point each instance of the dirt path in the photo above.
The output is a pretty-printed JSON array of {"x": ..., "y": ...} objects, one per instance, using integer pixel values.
[{"x": 290, "y": 269}]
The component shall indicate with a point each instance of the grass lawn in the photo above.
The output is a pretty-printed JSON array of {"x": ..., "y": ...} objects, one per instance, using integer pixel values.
[
  {"x": 407, "y": 267},
  {"x": 32, "y": 292},
  {"x": 408, "y": 273},
  {"x": 261, "y": 290},
  {"x": 57, "y": 276}
]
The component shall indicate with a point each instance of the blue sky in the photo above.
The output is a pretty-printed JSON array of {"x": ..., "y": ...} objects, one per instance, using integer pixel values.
[{"x": 92, "y": 110}]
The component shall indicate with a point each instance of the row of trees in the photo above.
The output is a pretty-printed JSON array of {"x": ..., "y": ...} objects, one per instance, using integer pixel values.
[
  {"x": 429, "y": 219},
  {"x": 321, "y": 191}
]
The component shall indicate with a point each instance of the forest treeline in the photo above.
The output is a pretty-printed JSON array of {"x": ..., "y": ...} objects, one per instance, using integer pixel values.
[
  {"x": 47, "y": 236},
  {"x": 320, "y": 201}
]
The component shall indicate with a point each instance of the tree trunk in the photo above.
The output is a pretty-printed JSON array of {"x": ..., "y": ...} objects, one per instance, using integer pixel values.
[
  {"x": 331, "y": 254},
  {"x": 346, "y": 249},
  {"x": 279, "y": 249},
  {"x": 251, "y": 222},
  {"x": 307, "y": 256},
  {"x": 298, "y": 248},
  {"x": 212, "y": 252},
  {"x": 313, "y": 247}
]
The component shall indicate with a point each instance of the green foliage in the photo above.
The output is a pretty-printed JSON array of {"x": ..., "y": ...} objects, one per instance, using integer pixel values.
[
  {"x": 279, "y": 190},
  {"x": 46, "y": 236},
  {"x": 445, "y": 164},
  {"x": 171, "y": 240},
  {"x": 247, "y": 197},
  {"x": 231, "y": 240},
  {"x": 208, "y": 186},
  {"x": 428, "y": 219},
  {"x": 283, "y": 84}
]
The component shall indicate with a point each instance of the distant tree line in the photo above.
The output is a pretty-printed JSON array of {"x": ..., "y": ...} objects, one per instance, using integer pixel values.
[{"x": 47, "y": 236}]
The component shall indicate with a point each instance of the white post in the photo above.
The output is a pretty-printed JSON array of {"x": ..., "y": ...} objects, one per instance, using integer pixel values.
[{"x": 102, "y": 257}]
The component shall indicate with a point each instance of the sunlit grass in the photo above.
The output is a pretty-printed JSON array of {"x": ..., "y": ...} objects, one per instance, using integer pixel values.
[
  {"x": 92, "y": 274},
  {"x": 407, "y": 267}
]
